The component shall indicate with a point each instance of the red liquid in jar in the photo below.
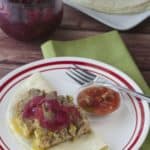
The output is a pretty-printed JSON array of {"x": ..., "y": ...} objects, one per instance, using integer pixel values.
[{"x": 30, "y": 21}]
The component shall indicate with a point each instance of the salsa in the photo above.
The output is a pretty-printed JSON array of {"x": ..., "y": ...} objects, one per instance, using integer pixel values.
[
  {"x": 50, "y": 113},
  {"x": 99, "y": 100}
]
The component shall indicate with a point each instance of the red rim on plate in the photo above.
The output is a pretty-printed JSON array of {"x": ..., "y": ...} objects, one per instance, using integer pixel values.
[{"x": 41, "y": 64}]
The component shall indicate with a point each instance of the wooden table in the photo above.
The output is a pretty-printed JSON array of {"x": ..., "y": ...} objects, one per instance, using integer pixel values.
[{"x": 76, "y": 25}]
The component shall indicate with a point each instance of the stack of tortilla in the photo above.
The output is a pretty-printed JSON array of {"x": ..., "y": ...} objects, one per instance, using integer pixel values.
[{"x": 116, "y": 6}]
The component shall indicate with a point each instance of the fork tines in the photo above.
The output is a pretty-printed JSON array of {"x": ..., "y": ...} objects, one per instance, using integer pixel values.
[{"x": 80, "y": 75}]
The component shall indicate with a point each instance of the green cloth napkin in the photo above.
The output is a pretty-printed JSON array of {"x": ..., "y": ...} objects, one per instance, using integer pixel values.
[{"x": 108, "y": 48}]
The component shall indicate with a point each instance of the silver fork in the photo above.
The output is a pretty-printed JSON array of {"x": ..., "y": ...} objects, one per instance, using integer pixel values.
[{"x": 84, "y": 77}]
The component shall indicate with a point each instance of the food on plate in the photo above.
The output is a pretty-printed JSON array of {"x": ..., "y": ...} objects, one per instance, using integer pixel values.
[
  {"x": 116, "y": 6},
  {"x": 99, "y": 100},
  {"x": 45, "y": 120},
  {"x": 49, "y": 119}
]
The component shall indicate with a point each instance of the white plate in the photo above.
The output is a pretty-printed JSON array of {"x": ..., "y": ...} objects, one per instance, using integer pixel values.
[
  {"x": 120, "y": 22},
  {"x": 124, "y": 129}
]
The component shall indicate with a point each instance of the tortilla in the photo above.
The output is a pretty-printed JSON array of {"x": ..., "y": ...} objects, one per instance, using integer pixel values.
[
  {"x": 115, "y": 6},
  {"x": 37, "y": 81},
  {"x": 91, "y": 141}
]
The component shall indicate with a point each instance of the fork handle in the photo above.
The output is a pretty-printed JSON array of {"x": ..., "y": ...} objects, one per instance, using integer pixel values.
[
  {"x": 123, "y": 89},
  {"x": 135, "y": 94}
]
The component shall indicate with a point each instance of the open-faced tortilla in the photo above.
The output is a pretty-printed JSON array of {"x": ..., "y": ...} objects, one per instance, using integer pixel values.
[
  {"x": 90, "y": 141},
  {"x": 115, "y": 6},
  {"x": 35, "y": 81}
]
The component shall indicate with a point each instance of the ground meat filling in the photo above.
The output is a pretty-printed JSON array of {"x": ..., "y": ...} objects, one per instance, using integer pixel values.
[{"x": 50, "y": 119}]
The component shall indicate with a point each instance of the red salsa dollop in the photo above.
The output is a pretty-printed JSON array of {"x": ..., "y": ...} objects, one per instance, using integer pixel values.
[
  {"x": 99, "y": 100},
  {"x": 50, "y": 113}
]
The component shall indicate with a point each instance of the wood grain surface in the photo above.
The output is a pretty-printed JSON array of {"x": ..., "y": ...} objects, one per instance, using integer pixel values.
[{"x": 76, "y": 25}]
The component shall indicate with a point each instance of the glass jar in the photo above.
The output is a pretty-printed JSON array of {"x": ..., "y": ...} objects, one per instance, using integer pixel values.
[{"x": 30, "y": 21}]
